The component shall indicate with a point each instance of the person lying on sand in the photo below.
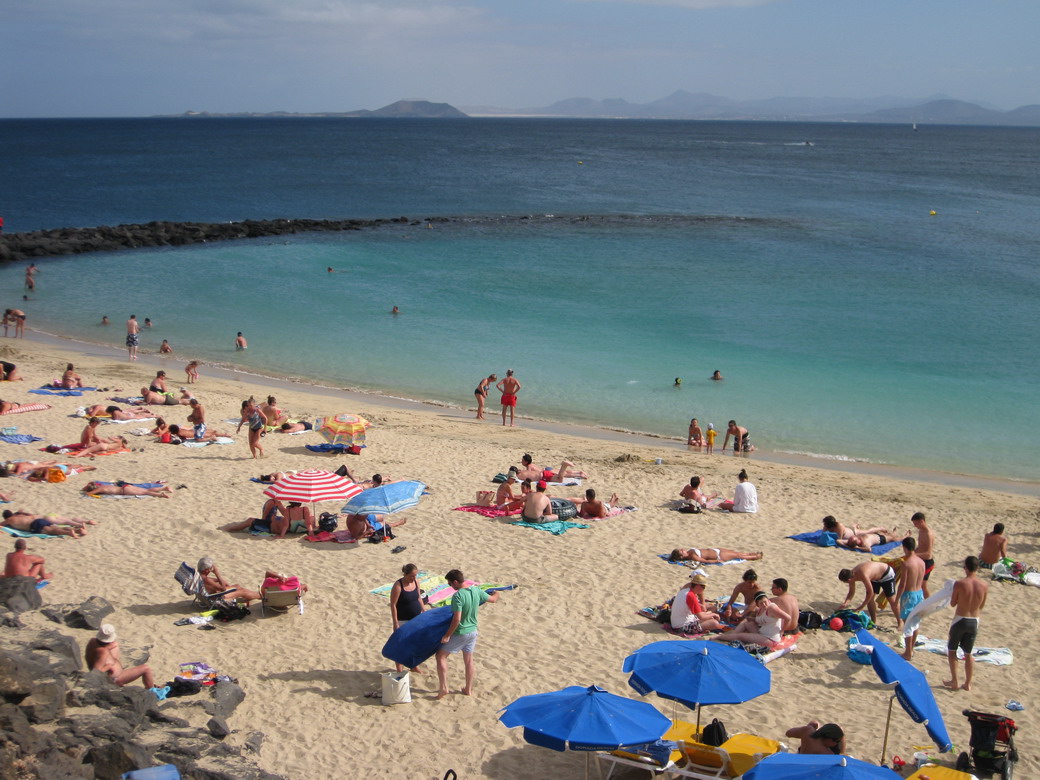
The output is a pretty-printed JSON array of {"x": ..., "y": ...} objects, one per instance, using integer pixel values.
[
  {"x": 115, "y": 413},
  {"x": 178, "y": 435},
  {"x": 711, "y": 555},
  {"x": 119, "y": 443},
  {"x": 9, "y": 372},
  {"x": 833, "y": 526},
  {"x": 10, "y": 406},
  {"x": 271, "y": 520},
  {"x": 52, "y": 524},
  {"x": 215, "y": 583},
  {"x": 120, "y": 488},
  {"x": 530, "y": 470},
  {"x": 149, "y": 396},
  {"x": 294, "y": 427},
  {"x": 864, "y": 539},
  {"x": 37, "y": 469},
  {"x": 363, "y": 526}
]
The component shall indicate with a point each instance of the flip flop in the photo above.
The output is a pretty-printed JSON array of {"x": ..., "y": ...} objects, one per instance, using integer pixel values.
[{"x": 399, "y": 548}]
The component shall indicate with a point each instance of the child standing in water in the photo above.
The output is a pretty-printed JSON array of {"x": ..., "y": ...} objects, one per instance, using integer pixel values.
[{"x": 709, "y": 439}]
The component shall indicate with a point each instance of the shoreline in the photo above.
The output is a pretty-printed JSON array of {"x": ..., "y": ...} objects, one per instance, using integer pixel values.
[{"x": 596, "y": 432}]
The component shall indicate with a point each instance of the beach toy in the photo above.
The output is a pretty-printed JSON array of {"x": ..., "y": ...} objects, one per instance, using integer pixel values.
[{"x": 836, "y": 624}]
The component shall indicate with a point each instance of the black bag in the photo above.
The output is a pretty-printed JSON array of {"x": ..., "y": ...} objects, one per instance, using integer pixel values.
[
  {"x": 664, "y": 616},
  {"x": 714, "y": 733},
  {"x": 181, "y": 687},
  {"x": 226, "y": 611},
  {"x": 690, "y": 509},
  {"x": 384, "y": 533},
  {"x": 809, "y": 620},
  {"x": 327, "y": 522}
]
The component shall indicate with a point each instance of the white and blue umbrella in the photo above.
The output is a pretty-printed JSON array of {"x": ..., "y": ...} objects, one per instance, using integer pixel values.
[{"x": 386, "y": 499}]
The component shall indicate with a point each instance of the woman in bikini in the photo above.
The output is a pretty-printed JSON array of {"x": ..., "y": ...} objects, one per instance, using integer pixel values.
[
  {"x": 711, "y": 555},
  {"x": 115, "y": 413},
  {"x": 481, "y": 394},
  {"x": 119, "y": 443},
  {"x": 257, "y": 421},
  {"x": 763, "y": 625},
  {"x": 70, "y": 378},
  {"x": 160, "y": 399},
  {"x": 7, "y": 407},
  {"x": 192, "y": 370},
  {"x": 120, "y": 488}
]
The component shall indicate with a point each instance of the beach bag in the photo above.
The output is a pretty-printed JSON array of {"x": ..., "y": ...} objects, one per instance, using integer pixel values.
[
  {"x": 827, "y": 539},
  {"x": 485, "y": 498},
  {"x": 226, "y": 611},
  {"x": 397, "y": 687},
  {"x": 714, "y": 733},
  {"x": 55, "y": 475},
  {"x": 690, "y": 509},
  {"x": 498, "y": 479},
  {"x": 664, "y": 616},
  {"x": 353, "y": 449},
  {"x": 809, "y": 620},
  {"x": 563, "y": 509},
  {"x": 327, "y": 522},
  {"x": 181, "y": 687}
]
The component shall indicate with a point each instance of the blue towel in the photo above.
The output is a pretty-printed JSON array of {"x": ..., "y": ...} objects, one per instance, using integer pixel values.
[
  {"x": 27, "y": 535},
  {"x": 48, "y": 391},
  {"x": 135, "y": 484},
  {"x": 326, "y": 447},
  {"x": 813, "y": 537},
  {"x": 556, "y": 527},
  {"x": 19, "y": 438}
]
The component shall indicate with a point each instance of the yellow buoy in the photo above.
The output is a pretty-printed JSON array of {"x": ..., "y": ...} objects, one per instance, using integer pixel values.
[{"x": 931, "y": 213}]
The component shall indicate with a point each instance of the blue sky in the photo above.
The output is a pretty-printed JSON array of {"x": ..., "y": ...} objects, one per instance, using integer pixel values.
[{"x": 143, "y": 57}]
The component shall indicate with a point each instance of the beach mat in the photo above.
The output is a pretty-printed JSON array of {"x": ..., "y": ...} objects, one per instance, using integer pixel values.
[
  {"x": 556, "y": 527},
  {"x": 813, "y": 537},
  {"x": 28, "y": 408},
  {"x": 486, "y": 511},
  {"x": 27, "y": 535},
  {"x": 19, "y": 438},
  {"x": 998, "y": 656}
]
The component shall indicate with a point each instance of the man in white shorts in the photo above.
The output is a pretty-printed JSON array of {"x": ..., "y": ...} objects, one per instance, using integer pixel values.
[{"x": 462, "y": 632}]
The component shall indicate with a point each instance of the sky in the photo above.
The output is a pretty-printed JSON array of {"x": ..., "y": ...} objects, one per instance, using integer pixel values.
[{"x": 69, "y": 58}]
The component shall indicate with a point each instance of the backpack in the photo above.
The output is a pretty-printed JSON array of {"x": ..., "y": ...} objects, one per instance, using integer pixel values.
[
  {"x": 327, "y": 522},
  {"x": 714, "y": 733},
  {"x": 809, "y": 620},
  {"x": 226, "y": 611}
]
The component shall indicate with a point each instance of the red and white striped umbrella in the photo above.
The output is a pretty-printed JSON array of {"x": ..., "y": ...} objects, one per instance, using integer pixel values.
[{"x": 313, "y": 485}]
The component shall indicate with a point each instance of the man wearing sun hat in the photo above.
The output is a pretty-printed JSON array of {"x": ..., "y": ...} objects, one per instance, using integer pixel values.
[
  {"x": 688, "y": 613},
  {"x": 102, "y": 655}
]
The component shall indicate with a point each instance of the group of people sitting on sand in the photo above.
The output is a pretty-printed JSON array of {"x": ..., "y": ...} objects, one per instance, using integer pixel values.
[{"x": 745, "y": 496}]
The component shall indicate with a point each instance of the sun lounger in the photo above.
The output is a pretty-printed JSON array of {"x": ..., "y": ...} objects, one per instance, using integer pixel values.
[
  {"x": 731, "y": 759},
  {"x": 639, "y": 758}
]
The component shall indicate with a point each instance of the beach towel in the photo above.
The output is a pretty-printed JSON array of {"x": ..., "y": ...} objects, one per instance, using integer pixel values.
[
  {"x": 814, "y": 537},
  {"x": 124, "y": 422},
  {"x": 61, "y": 448},
  {"x": 55, "y": 391},
  {"x": 28, "y": 408},
  {"x": 99, "y": 454},
  {"x": 998, "y": 656},
  {"x": 326, "y": 447},
  {"x": 937, "y": 601},
  {"x": 28, "y": 535},
  {"x": 425, "y": 580},
  {"x": 341, "y": 537},
  {"x": 19, "y": 438},
  {"x": 695, "y": 564},
  {"x": 556, "y": 527},
  {"x": 218, "y": 440},
  {"x": 486, "y": 511}
]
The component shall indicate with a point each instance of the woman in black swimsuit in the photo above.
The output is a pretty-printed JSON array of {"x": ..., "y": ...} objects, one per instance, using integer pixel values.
[
  {"x": 481, "y": 394},
  {"x": 406, "y": 600}
]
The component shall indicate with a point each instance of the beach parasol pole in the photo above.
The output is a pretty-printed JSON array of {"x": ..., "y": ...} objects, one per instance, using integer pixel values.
[{"x": 888, "y": 721}]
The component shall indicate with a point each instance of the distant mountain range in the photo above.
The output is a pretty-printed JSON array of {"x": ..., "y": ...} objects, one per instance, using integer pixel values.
[
  {"x": 418, "y": 109},
  {"x": 938, "y": 110},
  {"x": 681, "y": 104}
]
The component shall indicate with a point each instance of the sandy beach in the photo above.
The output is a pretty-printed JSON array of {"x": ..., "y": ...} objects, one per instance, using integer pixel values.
[{"x": 572, "y": 620}]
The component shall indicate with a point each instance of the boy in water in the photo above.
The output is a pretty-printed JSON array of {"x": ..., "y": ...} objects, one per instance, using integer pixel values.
[{"x": 709, "y": 439}]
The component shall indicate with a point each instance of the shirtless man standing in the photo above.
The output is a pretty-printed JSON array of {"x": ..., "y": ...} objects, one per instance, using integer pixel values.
[
  {"x": 508, "y": 387},
  {"x": 537, "y": 506},
  {"x": 133, "y": 329},
  {"x": 925, "y": 543},
  {"x": 877, "y": 577},
  {"x": 20, "y": 564},
  {"x": 741, "y": 438},
  {"x": 103, "y": 655},
  {"x": 969, "y": 597},
  {"x": 198, "y": 419},
  {"x": 910, "y": 593},
  {"x": 994, "y": 547}
]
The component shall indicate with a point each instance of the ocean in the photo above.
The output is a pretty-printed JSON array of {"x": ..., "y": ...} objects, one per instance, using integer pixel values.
[{"x": 599, "y": 259}]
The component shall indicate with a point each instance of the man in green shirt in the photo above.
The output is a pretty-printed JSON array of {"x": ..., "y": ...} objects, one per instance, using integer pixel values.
[{"x": 462, "y": 632}]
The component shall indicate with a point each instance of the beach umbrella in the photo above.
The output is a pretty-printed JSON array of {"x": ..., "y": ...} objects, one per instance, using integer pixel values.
[
  {"x": 696, "y": 672},
  {"x": 911, "y": 690},
  {"x": 346, "y": 429},
  {"x": 584, "y": 718},
  {"x": 803, "y": 766},
  {"x": 312, "y": 485},
  {"x": 386, "y": 499}
]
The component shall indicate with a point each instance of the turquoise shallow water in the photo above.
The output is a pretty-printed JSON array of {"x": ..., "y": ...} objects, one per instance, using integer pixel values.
[{"x": 848, "y": 322}]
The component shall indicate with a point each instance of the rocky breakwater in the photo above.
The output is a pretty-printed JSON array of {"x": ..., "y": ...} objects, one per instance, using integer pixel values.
[
  {"x": 58, "y": 720},
  {"x": 71, "y": 241}
]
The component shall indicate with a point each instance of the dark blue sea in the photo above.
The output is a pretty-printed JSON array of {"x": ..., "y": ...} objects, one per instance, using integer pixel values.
[{"x": 601, "y": 260}]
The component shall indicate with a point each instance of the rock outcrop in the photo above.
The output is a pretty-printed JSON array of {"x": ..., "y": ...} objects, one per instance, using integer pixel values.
[{"x": 59, "y": 721}]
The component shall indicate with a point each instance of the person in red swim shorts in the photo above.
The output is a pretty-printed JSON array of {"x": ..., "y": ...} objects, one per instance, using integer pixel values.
[{"x": 509, "y": 387}]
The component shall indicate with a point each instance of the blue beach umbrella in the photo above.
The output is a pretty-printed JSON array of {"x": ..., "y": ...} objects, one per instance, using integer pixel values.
[
  {"x": 801, "y": 766},
  {"x": 911, "y": 689},
  {"x": 386, "y": 499},
  {"x": 587, "y": 719},
  {"x": 695, "y": 673}
]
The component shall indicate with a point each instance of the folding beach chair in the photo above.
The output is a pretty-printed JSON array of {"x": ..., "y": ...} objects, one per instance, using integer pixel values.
[
  {"x": 281, "y": 600},
  {"x": 731, "y": 759},
  {"x": 192, "y": 585},
  {"x": 640, "y": 758}
]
